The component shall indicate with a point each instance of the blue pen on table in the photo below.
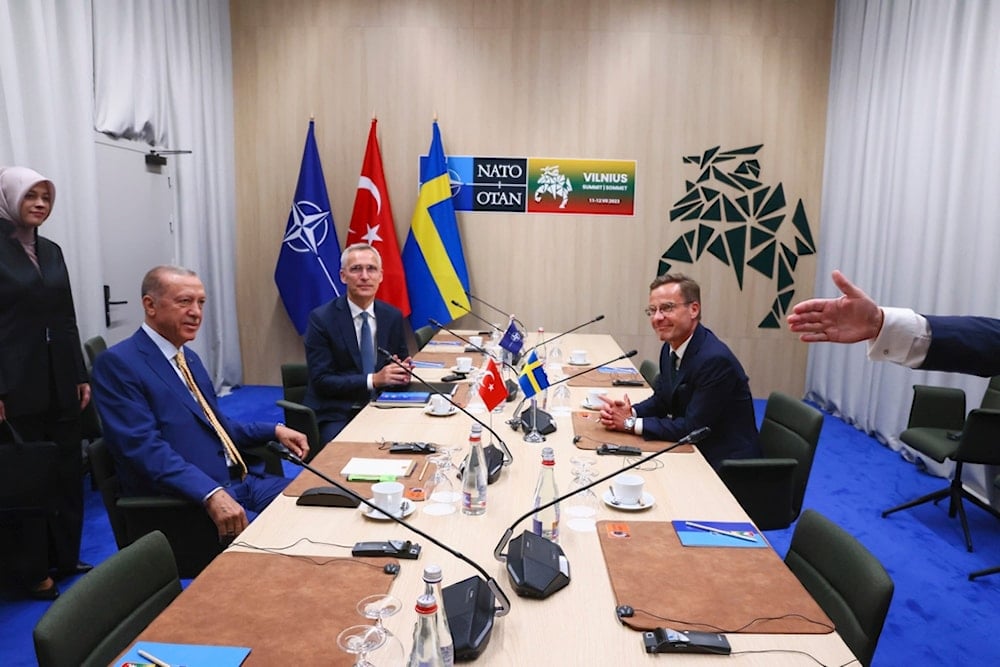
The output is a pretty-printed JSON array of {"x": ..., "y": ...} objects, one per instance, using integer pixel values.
[{"x": 720, "y": 531}]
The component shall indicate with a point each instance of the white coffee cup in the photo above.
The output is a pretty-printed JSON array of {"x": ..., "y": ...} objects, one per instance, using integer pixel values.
[
  {"x": 594, "y": 398},
  {"x": 477, "y": 341},
  {"x": 440, "y": 404},
  {"x": 463, "y": 364},
  {"x": 388, "y": 496},
  {"x": 578, "y": 356},
  {"x": 628, "y": 488}
]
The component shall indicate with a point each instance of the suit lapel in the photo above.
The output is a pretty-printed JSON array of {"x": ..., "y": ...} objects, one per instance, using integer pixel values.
[{"x": 164, "y": 369}]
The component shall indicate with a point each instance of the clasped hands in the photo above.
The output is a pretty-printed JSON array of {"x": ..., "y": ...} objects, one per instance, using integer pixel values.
[
  {"x": 394, "y": 373},
  {"x": 614, "y": 412}
]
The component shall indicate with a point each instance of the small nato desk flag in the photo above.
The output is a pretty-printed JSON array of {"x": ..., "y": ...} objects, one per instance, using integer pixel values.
[
  {"x": 533, "y": 378},
  {"x": 513, "y": 338},
  {"x": 308, "y": 270},
  {"x": 432, "y": 255}
]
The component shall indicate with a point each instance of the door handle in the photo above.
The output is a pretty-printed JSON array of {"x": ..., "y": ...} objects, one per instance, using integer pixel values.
[{"x": 108, "y": 303}]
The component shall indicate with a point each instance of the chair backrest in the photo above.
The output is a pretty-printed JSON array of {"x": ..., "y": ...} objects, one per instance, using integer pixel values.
[
  {"x": 107, "y": 608},
  {"x": 93, "y": 347},
  {"x": 790, "y": 429},
  {"x": 423, "y": 335},
  {"x": 979, "y": 438},
  {"x": 991, "y": 399},
  {"x": 847, "y": 581},
  {"x": 102, "y": 470},
  {"x": 650, "y": 371},
  {"x": 294, "y": 380}
]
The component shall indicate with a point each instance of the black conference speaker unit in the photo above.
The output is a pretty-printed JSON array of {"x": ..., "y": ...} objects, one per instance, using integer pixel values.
[
  {"x": 537, "y": 567},
  {"x": 469, "y": 605}
]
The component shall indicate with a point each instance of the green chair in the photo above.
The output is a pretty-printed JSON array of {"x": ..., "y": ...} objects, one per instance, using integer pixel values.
[
  {"x": 938, "y": 429},
  {"x": 191, "y": 534},
  {"x": 423, "y": 335},
  {"x": 103, "y": 613},
  {"x": 990, "y": 570},
  {"x": 847, "y": 581},
  {"x": 302, "y": 418},
  {"x": 650, "y": 371},
  {"x": 771, "y": 488},
  {"x": 90, "y": 421}
]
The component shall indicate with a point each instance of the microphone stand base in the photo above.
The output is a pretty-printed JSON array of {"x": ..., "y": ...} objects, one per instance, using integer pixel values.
[{"x": 534, "y": 437}]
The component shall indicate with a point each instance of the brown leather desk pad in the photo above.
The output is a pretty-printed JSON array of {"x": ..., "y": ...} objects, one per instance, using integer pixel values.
[
  {"x": 708, "y": 589},
  {"x": 335, "y": 456},
  {"x": 287, "y": 609},
  {"x": 592, "y": 434},
  {"x": 596, "y": 378}
]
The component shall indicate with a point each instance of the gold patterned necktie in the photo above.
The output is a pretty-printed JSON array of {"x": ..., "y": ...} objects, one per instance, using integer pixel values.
[{"x": 227, "y": 442}]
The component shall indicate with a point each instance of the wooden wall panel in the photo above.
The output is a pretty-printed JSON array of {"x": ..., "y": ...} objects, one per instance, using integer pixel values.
[{"x": 650, "y": 80}]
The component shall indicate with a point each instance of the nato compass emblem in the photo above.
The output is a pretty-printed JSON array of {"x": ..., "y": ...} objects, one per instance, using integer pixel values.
[
  {"x": 735, "y": 216},
  {"x": 309, "y": 229}
]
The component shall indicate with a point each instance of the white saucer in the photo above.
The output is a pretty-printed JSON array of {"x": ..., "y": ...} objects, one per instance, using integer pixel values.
[
  {"x": 587, "y": 405},
  {"x": 455, "y": 369},
  {"x": 378, "y": 515},
  {"x": 451, "y": 410},
  {"x": 647, "y": 501},
  {"x": 578, "y": 363}
]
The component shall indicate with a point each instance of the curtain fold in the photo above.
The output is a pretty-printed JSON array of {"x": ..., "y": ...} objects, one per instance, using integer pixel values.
[{"x": 910, "y": 200}]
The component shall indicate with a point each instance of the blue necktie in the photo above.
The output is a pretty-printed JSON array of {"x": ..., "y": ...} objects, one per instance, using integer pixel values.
[
  {"x": 673, "y": 368},
  {"x": 367, "y": 346}
]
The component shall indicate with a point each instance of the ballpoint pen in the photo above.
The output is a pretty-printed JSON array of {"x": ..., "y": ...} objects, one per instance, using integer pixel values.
[
  {"x": 719, "y": 531},
  {"x": 145, "y": 655}
]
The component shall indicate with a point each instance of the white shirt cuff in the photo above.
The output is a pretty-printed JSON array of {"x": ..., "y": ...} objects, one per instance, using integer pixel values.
[{"x": 904, "y": 339}]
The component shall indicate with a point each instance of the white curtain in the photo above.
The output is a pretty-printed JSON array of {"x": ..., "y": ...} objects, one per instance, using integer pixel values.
[
  {"x": 911, "y": 202},
  {"x": 163, "y": 73}
]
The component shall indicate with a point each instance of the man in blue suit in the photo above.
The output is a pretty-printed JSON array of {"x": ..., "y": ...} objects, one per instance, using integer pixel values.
[
  {"x": 929, "y": 342},
  {"x": 341, "y": 378},
  {"x": 162, "y": 438},
  {"x": 701, "y": 382}
]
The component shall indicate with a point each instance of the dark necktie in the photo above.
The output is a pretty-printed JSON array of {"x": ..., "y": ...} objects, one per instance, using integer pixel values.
[
  {"x": 367, "y": 346},
  {"x": 673, "y": 368}
]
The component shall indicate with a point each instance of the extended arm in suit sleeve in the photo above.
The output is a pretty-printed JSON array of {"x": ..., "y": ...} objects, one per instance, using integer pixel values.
[
  {"x": 964, "y": 345},
  {"x": 131, "y": 430}
]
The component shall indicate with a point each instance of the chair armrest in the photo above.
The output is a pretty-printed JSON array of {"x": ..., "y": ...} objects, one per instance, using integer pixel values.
[
  {"x": 937, "y": 407},
  {"x": 302, "y": 418},
  {"x": 751, "y": 465},
  {"x": 140, "y": 503}
]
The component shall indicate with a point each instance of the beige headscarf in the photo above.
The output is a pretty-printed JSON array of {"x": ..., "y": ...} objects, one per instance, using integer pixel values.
[{"x": 14, "y": 184}]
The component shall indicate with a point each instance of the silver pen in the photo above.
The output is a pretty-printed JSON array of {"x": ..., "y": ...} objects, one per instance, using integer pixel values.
[
  {"x": 152, "y": 658},
  {"x": 719, "y": 531}
]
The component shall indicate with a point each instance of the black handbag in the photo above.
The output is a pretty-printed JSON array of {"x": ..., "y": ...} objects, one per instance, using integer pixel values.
[{"x": 27, "y": 473}]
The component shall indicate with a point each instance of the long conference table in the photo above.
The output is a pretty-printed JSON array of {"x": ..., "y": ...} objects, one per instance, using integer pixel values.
[{"x": 288, "y": 585}]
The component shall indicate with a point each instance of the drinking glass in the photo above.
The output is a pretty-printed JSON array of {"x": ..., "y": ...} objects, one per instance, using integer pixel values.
[
  {"x": 440, "y": 489},
  {"x": 378, "y": 607},
  {"x": 582, "y": 508},
  {"x": 360, "y": 641}
]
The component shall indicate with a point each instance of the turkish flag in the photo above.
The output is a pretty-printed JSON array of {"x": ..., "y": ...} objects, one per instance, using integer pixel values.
[
  {"x": 371, "y": 223},
  {"x": 493, "y": 390}
]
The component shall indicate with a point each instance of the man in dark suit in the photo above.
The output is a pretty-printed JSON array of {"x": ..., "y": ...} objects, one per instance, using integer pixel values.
[
  {"x": 342, "y": 342},
  {"x": 701, "y": 382},
  {"x": 929, "y": 342},
  {"x": 161, "y": 416}
]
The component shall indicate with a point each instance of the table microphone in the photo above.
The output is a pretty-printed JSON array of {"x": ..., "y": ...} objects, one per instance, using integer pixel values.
[
  {"x": 538, "y": 567},
  {"x": 543, "y": 421},
  {"x": 469, "y": 603},
  {"x": 478, "y": 317},
  {"x": 560, "y": 335},
  {"x": 496, "y": 458},
  {"x": 492, "y": 307},
  {"x": 512, "y": 386}
]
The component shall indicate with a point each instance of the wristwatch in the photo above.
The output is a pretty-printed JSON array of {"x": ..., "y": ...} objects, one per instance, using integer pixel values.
[{"x": 630, "y": 424}]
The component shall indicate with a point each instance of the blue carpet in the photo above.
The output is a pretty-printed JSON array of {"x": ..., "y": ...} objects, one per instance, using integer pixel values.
[{"x": 937, "y": 616}]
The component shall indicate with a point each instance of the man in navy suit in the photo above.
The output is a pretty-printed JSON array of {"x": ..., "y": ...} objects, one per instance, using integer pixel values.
[
  {"x": 162, "y": 439},
  {"x": 929, "y": 342},
  {"x": 340, "y": 384},
  {"x": 701, "y": 382}
]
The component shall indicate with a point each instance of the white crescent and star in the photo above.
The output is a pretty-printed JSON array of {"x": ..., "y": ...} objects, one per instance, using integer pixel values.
[{"x": 371, "y": 235}]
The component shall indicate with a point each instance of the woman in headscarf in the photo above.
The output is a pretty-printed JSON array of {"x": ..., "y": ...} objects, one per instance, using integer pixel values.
[{"x": 43, "y": 379}]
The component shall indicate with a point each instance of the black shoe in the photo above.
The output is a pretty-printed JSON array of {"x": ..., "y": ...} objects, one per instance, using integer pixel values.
[
  {"x": 46, "y": 594},
  {"x": 79, "y": 568}
]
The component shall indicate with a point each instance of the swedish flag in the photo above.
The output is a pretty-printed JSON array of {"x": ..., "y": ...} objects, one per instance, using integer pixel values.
[
  {"x": 533, "y": 378},
  {"x": 432, "y": 256}
]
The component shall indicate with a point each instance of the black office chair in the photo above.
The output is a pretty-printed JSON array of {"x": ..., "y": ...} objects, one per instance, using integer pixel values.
[
  {"x": 847, "y": 581},
  {"x": 977, "y": 442},
  {"x": 294, "y": 380},
  {"x": 650, "y": 371},
  {"x": 96, "y": 619},
  {"x": 771, "y": 489},
  {"x": 90, "y": 421},
  {"x": 989, "y": 570},
  {"x": 423, "y": 335},
  {"x": 193, "y": 537}
]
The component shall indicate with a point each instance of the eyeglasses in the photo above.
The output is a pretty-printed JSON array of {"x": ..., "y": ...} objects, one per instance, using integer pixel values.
[
  {"x": 665, "y": 308},
  {"x": 357, "y": 269}
]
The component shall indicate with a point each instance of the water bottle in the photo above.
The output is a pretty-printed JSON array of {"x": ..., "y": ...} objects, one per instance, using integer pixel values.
[
  {"x": 540, "y": 347},
  {"x": 546, "y": 522},
  {"x": 432, "y": 586},
  {"x": 426, "y": 646},
  {"x": 474, "y": 476}
]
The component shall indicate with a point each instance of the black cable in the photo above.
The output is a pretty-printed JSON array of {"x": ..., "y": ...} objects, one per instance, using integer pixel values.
[
  {"x": 792, "y": 650},
  {"x": 678, "y": 621},
  {"x": 315, "y": 560}
]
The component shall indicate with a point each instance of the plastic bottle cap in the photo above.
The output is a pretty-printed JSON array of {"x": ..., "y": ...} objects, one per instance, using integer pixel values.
[
  {"x": 426, "y": 604},
  {"x": 432, "y": 574},
  {"x": 548, "y": 456}
]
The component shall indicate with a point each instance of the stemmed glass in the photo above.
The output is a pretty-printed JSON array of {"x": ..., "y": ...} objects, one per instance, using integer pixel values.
[
  {"x": 583, "y": 507},
  {"x": 440, "y": 489},
  {"x": 360, "y": 640},
  {"x": 378, "y": 607}
]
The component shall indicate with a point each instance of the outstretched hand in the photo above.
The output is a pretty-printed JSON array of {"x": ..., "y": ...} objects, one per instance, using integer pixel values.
[{"x": 849, "y": 318}]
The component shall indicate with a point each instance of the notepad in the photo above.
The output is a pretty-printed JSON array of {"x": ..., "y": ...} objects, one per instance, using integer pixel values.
[
  {"x": 189, "y": 654},
  {"x": 377, "y": 468},
  {"x": 699, "y": 533}
]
